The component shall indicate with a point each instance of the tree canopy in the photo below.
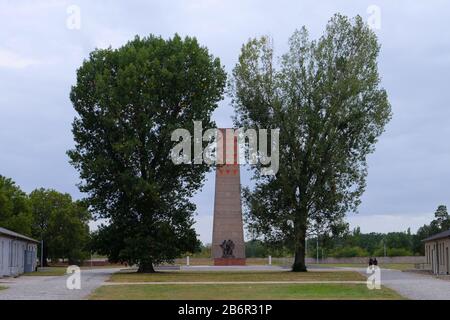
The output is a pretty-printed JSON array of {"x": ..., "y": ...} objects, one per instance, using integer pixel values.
[
  {"x": 15, "y": 211},
  {"x": 129, "y": 100},
  {"x": 61, "y": 223},
  {"x": 46, "y": 215},
  {"x": 326, "y": 99}
]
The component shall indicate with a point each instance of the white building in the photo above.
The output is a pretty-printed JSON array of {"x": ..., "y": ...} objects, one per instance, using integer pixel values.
[{"x": 18, "y": 253}]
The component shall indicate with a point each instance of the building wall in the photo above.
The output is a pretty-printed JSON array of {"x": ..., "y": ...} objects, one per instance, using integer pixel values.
[
  {"x": 437, "y": 255},
  {"x": 12, "y": 256},
  {"x": 32, "y": 249},
  {"x": 5, "y": 244}
]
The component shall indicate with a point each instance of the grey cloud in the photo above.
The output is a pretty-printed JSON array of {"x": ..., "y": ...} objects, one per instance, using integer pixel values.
[{"x": 407, "y": 173}]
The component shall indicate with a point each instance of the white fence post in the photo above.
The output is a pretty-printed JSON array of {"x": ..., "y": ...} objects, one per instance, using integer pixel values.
[
  {"x": 187, "y": 260},
  {"x": 270, "y": 260}
]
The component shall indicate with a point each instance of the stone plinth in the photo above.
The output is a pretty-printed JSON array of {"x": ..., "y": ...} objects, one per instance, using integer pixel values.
[{"x": 229, "y": 262}]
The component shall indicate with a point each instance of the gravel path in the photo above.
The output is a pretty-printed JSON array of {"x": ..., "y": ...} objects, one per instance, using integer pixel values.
[
  {"x": 53, "y": 287},
  {"x": 412, "y": 285}
]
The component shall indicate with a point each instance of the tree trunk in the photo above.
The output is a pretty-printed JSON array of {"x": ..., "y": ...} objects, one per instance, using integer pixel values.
[
  {"x": 146, "y": 267},
  {"x": 44, "y": 257},
  {"x": 300, "y": 235},
  {"x": 299, "y": 261}
]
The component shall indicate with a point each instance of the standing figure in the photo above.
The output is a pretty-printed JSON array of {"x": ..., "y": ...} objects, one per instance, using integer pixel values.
[
  {"x": 224, "y": 248},
  {"x": 227, "y": 248},
  {"x": 230, "y": 247}
]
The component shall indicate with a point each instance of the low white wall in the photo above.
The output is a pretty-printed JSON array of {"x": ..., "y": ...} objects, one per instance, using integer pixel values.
[{"x": 364, "y": 260}]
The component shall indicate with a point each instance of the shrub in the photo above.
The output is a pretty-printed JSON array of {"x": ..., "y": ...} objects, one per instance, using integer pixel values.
[
  {"x": 348, "y": 252},
  {"x": 393, "y": 252}
]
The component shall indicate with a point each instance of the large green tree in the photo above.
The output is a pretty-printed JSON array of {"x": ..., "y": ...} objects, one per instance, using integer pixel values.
[
  {"x": 326, "y": 99},
  {"x": 61, "y": 223},
  {"x": 70, "y": 233},
  {"x": 15, "y": 211},
  {"x": 439, "y": 224},
  {"x": 442, "y": 219},
  {"x": 129, "y": 100}
]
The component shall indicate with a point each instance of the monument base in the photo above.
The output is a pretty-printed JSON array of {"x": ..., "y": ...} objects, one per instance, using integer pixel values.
[{"x": 229, "y": 261}]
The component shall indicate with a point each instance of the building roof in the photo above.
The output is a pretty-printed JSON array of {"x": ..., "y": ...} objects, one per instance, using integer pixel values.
[
  {"x": 13, "y": 234},
  {"x": 440, "y": 235}
]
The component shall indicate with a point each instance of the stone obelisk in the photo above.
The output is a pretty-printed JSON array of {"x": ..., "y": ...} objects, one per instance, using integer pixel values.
[{"x": 228, "y": 247}]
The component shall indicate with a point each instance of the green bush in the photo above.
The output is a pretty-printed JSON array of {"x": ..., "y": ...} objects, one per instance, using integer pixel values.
[
  {"x": 393, "y": 252},
  {"x": 255, "y": 249},
  {"x": 204, "y": 252},
  {"x": 348, "y": 252}
]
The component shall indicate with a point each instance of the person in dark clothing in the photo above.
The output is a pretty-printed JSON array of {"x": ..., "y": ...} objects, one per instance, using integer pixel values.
[{"x": 370, "y": 262}]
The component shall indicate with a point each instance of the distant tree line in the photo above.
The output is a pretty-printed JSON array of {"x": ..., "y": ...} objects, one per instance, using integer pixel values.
[
  {"x": 357, "y": 244},
  {"x": 47, "y": 215}
]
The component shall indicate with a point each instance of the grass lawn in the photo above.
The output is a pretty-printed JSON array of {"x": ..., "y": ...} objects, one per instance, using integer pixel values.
[
  {"x": 242, "y": 292},
  {"x": 49, "y": 271},
  {"x": 397, "y": 266},
  {"x": 225, "y": 276},
  {"x": 3, "y": 288}
]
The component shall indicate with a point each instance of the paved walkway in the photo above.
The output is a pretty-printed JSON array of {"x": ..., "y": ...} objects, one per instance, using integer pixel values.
[
  {"x": 53, "y": 287},
  {"x": 412, "y": 285}
]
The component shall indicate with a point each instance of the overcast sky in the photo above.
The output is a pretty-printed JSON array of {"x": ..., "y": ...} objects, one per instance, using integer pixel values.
[{"x": 41, "y": 48}]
